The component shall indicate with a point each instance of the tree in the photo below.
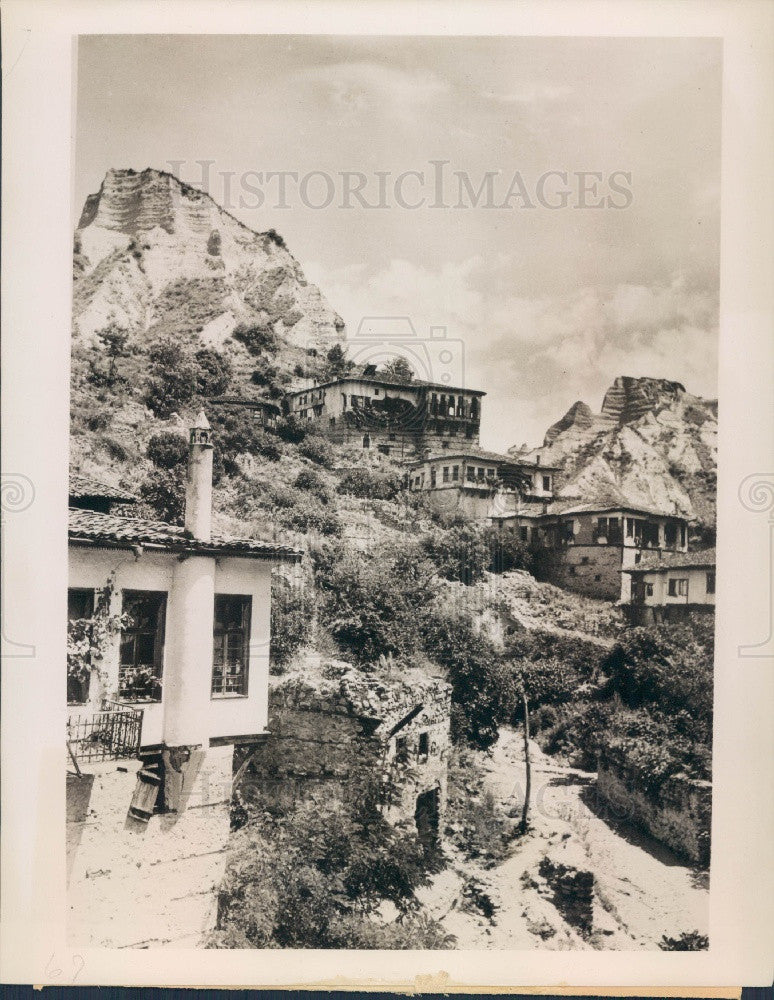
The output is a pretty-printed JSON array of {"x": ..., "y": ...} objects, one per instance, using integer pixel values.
[
  {"x": 214, "y": 375},
  {"x": 164, "y": 493},
  {"x": 399, "y": 369},
  {"x": 114, "y": 338},
  {"x": 338, "y": 364},
  {"x": 174, "y": 377},
  {"x": 167, "y": 449}
]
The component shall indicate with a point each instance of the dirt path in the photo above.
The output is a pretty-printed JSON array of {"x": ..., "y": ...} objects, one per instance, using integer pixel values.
[{"x": 642, "y": 891}]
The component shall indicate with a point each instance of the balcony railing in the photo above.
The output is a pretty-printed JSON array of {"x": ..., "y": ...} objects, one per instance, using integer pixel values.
[{"x": 112, "y": 733}]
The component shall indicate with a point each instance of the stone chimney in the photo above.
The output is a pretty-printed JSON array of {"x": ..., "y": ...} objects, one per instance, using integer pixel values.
[{"x": 198, "y": 490}]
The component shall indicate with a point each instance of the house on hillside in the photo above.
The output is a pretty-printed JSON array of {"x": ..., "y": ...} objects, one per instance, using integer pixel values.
[
  {"x": 481, "y": 484},
  {"x": 584, "y": 546},
  {"x": 168, "y": 669},
  {"x": 397, "y": 418},
  {"x": 265, "y": 412},
  {"x": 670, "y": 585}
]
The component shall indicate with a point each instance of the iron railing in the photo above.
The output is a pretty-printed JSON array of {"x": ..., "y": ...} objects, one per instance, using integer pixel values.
[{"x": 112, "y": 733}]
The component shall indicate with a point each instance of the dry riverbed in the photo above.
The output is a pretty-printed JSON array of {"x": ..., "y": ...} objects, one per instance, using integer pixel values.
[{"x": 641, "y": 890}]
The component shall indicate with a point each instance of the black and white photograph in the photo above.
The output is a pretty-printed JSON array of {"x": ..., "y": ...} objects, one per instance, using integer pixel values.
[{"x": 392, "y": 503}]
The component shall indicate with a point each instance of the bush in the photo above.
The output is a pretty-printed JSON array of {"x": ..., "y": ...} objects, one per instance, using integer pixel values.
[
  {"x": 167, "y": 449},
  {"x": 256, "y": 337},
  {"x": 371, "y": 603},
  {"x": 315, "y": 879},
  {"x": 174, "y": 377},
  {"x": 237, "y": 433},
  {"x": 507, "y": 551},
  {"x": 265, "y": 373},
  {"x": 214, "y": 372},
  {"x": 312, "y": 482},
  {"x": 484, "y": 688},
  {"x": 369, "y": 484},
  {"x": 311, "y": 516},
  {"x": 460, "y": 553},
  {"x": 317, "y": 450},
  {"x": 164, "y": 493},
  {"x": 291, "y": 429},
  {"x": 291, "y": 623},
  {"x": 687, "y": 941}
]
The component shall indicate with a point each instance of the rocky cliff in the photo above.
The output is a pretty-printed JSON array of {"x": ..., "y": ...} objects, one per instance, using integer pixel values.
[
  {"x": 158, "y": 256},
  {"x": 652, "y": 443}
]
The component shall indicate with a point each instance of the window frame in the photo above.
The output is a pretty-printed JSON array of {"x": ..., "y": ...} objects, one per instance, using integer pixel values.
[
  {"x": 224, "y": 635},
  {"x": 159, "y": 641},
  {"x": 85, "y": 685}
]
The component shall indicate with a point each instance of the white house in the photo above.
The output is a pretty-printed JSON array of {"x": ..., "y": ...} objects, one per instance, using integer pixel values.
[
  {"x": 192, "y": 649},
  {"x": 671, "y": 584}
]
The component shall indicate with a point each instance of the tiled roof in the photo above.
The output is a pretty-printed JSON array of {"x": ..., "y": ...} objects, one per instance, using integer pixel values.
[
  {"x": 654, "y": 562},
  {"x": 485, "y": 456},
  {"x": 110, "y": 530},
  {"x": 81, "y": 487},
  {"x": 356, "y": 375}
]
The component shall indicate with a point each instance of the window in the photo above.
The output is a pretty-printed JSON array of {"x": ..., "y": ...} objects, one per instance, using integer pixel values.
[
  {"x": 649, "y": 590},
  {"x": 480, "y": 471},
  {"x": 678, "y": 588},
  {"x": 424, "y": 746},
  {"x": 670, "y": 534},
  {"x": 446, "y": 473},
  {"x": 630, "y": 527},
  {"x": 597, "y": 577},
  {"x": 546, "y": 483},
  {"x": 455, "y": 473},
  {"x": 384, "y": 449},
  {"x": 470, "y": 474},
  {"x": 80, "y": 606},
  {"x": 711, "y": 582},
  {"x": 142, "y": 645},
  {"x": 433, "y": 476},
  {"x": 231, "y": 644},
  {"x": 584, "y": 560},
  {"x": 524, "y": 533},
  {"x": 391, "y": 437},
  {"x": 401, "y": 749},
  {"x": 490, "y": 473},
  {"x": 376, "y": 390}
]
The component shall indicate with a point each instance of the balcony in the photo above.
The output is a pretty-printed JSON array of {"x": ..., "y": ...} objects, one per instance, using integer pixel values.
[{"x": 112, "y": 733}]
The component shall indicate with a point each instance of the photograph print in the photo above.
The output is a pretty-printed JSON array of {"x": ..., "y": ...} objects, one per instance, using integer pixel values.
[{"x": 392, "y": 492}]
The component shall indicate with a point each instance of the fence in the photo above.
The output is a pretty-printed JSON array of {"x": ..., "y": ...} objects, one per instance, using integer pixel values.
[{"x": 109, "y": 734}]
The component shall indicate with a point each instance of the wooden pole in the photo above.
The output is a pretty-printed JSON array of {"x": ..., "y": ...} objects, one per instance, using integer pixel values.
[{"x": 525, "y": 810}]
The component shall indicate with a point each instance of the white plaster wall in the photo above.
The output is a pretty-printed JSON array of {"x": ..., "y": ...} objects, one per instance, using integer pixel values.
[
  {"x": 697, "y": 587},
  {"x": 229, "y": 716}
]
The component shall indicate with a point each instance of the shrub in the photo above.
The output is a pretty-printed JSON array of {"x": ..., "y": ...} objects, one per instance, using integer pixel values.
[
  {"x": 371, "y": 603},
  {"x": 507, "y": 551},
  {"x": 312, "y": 482},
  {"x": 173, "y": 380},
  {"x": 167, "y": 449},
  {"x": 311, "y": 516},
  {"x": 318, "y": 450},
  {"x": 687, "y": 941},
  {"x": 291, "y": 429},
  {"x": 237, "y": 433},
  {"x": 460, "y": 553},
  {"x": 164, "y": 493},
  {"x": 369, "y": 484},
  {"x": 214, "y": 372},
  {"x": 484, "y": 688},
  {"x": 316, "y": 877},
  {"x": 256, "y": 337},
  {"x": 291, "y": 622},
  {"x": 265, "y": 372},
  {"x": 98, "y": 421}
]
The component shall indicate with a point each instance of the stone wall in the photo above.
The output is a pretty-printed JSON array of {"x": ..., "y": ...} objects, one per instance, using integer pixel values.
[
  {"x": 153, "y": 884},
  {"x": 326, "y": 740},
  {"x": 679, "y": 817},
  {"x": 591, "y": 570}
]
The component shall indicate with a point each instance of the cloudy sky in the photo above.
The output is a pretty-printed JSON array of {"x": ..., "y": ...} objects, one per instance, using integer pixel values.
[{"x": 544, "y": 305}]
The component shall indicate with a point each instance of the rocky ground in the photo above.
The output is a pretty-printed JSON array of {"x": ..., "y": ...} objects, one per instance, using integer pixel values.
[{"x": 641, "y": 891}]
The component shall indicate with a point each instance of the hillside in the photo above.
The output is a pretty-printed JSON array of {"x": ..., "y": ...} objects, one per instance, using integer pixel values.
[
  {"x": 652, "y": 443},
  {"x": 157, "y": 256}
]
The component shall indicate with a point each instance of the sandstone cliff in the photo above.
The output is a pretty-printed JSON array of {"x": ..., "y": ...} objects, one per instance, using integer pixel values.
[
  {"x": 156, "y": 255},
  {"x": 652, "y": 443}
]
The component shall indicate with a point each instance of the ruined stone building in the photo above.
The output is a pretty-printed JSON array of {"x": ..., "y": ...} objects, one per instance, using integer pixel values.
[
  {"x": 397, "y": 418},
  {"x": 327, "y": 736},
  {"x": 168, "y": 668}
]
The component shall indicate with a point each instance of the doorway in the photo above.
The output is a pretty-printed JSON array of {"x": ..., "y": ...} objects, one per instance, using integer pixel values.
[{"x": 426, "y": 816}]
